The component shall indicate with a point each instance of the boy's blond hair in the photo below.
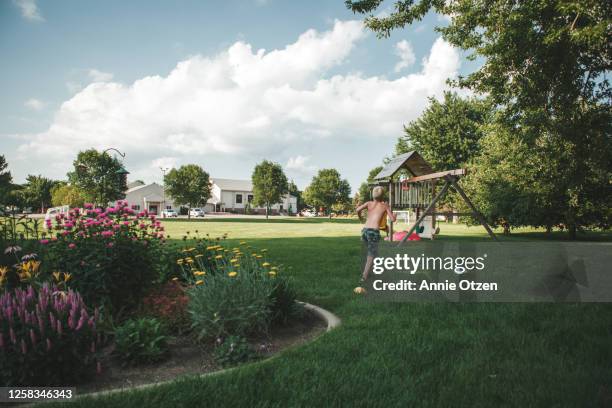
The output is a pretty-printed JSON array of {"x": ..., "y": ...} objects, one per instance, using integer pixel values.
[{"x": 377, "y": 193}]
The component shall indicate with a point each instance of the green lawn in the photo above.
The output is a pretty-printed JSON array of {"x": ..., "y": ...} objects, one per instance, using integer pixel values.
[{"x": 430, "y": 355}]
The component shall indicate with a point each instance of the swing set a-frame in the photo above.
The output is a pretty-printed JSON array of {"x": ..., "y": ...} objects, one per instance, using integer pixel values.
[{"x": 413, "y": 185}]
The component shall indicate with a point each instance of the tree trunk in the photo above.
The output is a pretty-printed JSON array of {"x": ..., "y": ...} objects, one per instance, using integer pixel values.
[
  {"x": 189, "y": 213},
  {"x": 267, "y": 210}
]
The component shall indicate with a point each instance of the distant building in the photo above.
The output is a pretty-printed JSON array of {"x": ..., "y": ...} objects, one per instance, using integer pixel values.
[
  {"x": 150, "y": 197},
  {"x": 227, "y": 196}
]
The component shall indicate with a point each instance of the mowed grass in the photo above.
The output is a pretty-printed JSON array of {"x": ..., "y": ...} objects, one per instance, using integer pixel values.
[{"x": 388, "y": 355}]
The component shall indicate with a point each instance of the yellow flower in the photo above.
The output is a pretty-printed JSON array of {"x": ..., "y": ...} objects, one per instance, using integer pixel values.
[
  {"x": 242, "y": 243},
  {"x": 274, "y": 268},
  {"x": 264, "y": 250},
  {"x": 3, "y": 271},
  {"x": 67, "y": 277},
  {"x": 57, "y": 275},
  {"x": 272, "y": 273},
  {"x": 191, "y": 249},
  {"x": 258, "y": 256},
  {"x": 237, "y": 265},
  {"x": 179, "y": 262},
  {"x": 232, "y": 274},
  {"x": 189, "y": 260},
  {"x": 219, "y": 257},
  {"x": 210, "y": 248},
  {"x": 199, "y": 273},
  {"x": 265, "y": 264},
  {"x": 199, "y": 282},
  {"x": 233, "y": 260},
  {"x": 175, "y": 279},
  {"x": 199, "y": 255}
]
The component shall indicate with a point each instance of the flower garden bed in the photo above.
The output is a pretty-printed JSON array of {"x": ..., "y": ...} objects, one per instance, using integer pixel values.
[
  {"x": 188, "y": 358},
  {"x": 101, "y": 298}
]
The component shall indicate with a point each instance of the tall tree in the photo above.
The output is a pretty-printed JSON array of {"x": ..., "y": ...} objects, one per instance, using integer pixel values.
[
  {"x": 269, "y": 184},
  {"x": 327, "y": 189},
  {"x": 36, "y": 192},
  {"x": 67, "y": 194},
  {"x": 447, "y": 134},
  {"x": 188, "y": 185},
  {"x": 544, "y": 67},
  {"x": 364, "y": 188},
  {"x": 101, "y": 177},
  {"x": 6, "y": 181}
]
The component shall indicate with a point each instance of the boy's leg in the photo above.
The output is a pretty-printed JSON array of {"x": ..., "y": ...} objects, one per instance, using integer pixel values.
[{"x": 368, "y": 266}]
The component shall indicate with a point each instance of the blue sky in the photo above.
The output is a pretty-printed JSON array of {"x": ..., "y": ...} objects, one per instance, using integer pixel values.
[{"x": 179, "y": 82}]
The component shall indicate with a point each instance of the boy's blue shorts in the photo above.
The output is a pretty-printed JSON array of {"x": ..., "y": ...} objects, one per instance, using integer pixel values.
[{"x": 371, "y": 237}]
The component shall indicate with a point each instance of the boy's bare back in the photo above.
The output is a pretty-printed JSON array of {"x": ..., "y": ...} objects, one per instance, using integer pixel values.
[{"x": 377, "y": 210}]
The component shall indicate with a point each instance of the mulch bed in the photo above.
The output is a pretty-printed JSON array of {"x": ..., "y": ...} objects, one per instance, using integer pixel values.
[{"x": 188, "y": 358}]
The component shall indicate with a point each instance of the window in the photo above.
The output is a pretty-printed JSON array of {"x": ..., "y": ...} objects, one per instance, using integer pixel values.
[
  {"x": 238, "y": 198},
  {"x": 250, "y": 198},
  {"x": 136, "y": 207},
  {"x": 168, "y": 207}
]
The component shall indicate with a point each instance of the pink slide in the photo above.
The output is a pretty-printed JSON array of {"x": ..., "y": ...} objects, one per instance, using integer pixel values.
[{"x": 398, "y": 236}]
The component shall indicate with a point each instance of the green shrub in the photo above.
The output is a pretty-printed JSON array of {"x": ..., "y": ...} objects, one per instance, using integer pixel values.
[
  {"x": 47, "y": 337},
  {"x": 230, "y": 305},
  {"x": 139, "y": 341},
  {"x": 284, "y": 306},
  {"x": 233, "y": 350}
]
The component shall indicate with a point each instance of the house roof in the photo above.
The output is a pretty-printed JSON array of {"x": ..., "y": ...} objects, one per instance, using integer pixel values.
[
  {"x": 412, "y": 161},
  {"x": 135, "y": 184},
  {"x": 233, "y": 185},
  {"x": 130, "y": 190}
]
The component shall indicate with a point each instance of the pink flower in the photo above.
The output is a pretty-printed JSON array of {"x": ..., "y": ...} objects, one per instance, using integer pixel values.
[
  {"x": 110, "y": 245},
  {"x": 72, "y": 245},
  {"x": 88, "y": 205},
  {"x": 107, "y": 234},
  {"x": 44, "y": 241}
]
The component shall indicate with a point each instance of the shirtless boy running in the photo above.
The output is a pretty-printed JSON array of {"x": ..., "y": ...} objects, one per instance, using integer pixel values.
[{"x": 370, "y": 234}]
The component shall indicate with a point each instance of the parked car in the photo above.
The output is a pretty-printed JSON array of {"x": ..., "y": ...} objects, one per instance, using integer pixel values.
[
  {"x": 196, "y": 212},
  {"x": 52, "y": 212},
  {"x": 307, "y": 213},
  {"x": 169, "y": 213}
]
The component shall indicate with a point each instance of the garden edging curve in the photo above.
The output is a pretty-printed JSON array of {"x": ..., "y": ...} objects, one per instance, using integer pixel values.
[{"x": 331, "y": 319}]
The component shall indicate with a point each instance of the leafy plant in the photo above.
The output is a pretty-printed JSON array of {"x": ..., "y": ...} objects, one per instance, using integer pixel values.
[
  {"x": 233, "y": 350},
  {"x": 47, "y": 337},
  {"x": 230, "y": 305},
  {"x": 284, "y": 306},
  {"x": 168, "y": 303},
  {"x": 141, "y": 341}
]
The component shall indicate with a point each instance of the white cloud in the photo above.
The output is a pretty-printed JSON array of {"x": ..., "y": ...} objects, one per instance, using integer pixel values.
[
  {"x": 29, "y": 10},
  {"x": 403, "y": 49},
  {"x": 99, "y": 76},
  {"x": 300, "y": 164},
  {"x": 35, "y": 104},
  {"x": 244, "y": 104}
]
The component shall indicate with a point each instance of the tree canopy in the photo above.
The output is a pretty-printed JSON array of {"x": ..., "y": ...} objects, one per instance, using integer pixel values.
[
  {"x": 67, "y": 194},
  {"x": 364, "y": 188},
  {"x": 99, "y": 176},
  {"x": 36, "y": 192},
  {"x": 544, "y": 69},
  {"x": 188, "y": 185},
  {"x": 328, "y": 189},
  {"x": 269, "y": 184},
  {"x": 6, "y": 181},
  {"x": 447, "y": 134}
]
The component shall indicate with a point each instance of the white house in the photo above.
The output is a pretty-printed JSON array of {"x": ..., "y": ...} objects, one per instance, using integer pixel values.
[
  {"x": 227, "y": 196},
  {"x": 233, "y": 195},
  {"x": 150, "y": 197}
]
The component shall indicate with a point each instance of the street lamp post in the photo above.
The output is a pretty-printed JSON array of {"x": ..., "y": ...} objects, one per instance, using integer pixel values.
[{"x": 164, "y": 170}]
